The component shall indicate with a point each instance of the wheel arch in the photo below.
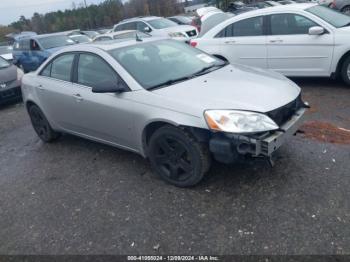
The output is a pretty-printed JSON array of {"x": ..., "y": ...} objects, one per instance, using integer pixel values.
[
  {"x": 30, "y": 103},
  {"x": 200, "y": 134},
  {"x": 346, "y": 6},
  {"x": 341, "y": 61}
]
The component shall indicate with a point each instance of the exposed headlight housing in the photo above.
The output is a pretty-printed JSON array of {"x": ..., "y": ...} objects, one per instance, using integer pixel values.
[
  {"x": 235, "y": 121},
  {"x": 177, "y": 34}
]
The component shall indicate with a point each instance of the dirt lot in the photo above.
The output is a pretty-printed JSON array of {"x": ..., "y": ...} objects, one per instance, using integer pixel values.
[{"x": 80, "y": 197}]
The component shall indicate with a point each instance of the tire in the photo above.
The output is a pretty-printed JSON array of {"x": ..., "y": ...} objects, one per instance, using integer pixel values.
[
  {"x": 41, "y": 125},
  {"x": 177, "y": 157},
  {"x": 345, "y": 71},
  {"x": 346, "y": 10}
]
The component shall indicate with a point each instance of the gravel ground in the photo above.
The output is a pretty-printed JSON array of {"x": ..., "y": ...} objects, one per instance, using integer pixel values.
[{"x": 79, "y": 197}]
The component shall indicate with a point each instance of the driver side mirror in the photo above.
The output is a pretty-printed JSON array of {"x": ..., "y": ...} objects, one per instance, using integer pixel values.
[
  {"x": 109, "y": 86},
  {"x": 316, "y": 30},
  {"x": 147, "y": 29}
]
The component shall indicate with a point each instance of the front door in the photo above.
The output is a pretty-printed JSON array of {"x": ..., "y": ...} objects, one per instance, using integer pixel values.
[
  {"x": 293, "y": 52},
  {"x": 102, "y": 116}
]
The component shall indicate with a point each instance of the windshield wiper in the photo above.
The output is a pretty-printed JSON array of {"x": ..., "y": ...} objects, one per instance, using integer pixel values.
[
  {"x": 169, "y": 82},
  {"x": 206, "y": 69}
]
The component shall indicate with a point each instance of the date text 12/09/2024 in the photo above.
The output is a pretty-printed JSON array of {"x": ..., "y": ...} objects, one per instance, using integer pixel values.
[{"x": 173, "y": 258}]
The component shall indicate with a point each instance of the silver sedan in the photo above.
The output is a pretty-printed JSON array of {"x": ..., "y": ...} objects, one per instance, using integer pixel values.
[{"x": 169, "y": 102}]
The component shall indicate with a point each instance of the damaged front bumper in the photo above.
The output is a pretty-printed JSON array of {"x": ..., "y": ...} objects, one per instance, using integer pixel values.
[{"x": 226, "y": 147}]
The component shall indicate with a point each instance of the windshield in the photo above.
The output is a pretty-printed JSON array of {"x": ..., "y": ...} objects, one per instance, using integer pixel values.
[
  {"x": 131, "y": 35},
  {"x": 184, "y": 19},
  {"x": 3, "y": 63},
  {"x": 164, "y": 62},
  {"x": 331, "y": 16},
  {"x": 81, "y": 38},
  {"x": 161, "y": 23},
  {"x": 91, "y": 34},
  {"x": 55, "y": 41}
]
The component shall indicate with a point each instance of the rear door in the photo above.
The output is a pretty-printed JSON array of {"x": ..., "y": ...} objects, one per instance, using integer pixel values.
[
  {"x": 56, "y": 92},
  {"x": 292, "y": 51},
  {"x": 244, "y": 42}
]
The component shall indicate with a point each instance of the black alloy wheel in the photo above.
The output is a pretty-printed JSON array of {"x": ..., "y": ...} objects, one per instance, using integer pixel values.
[
  {"x": 177, "y": 157},
  {"x": 41, "y": 125}
]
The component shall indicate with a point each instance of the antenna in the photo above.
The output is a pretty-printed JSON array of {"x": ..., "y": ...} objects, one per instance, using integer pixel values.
[{"x": 138, "y": 39}]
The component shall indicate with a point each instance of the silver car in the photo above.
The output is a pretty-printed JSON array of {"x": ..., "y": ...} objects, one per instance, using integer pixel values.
[{"x": 163, "y": 99}]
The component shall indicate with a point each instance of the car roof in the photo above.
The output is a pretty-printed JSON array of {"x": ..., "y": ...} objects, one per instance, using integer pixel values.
[
  {"x": 277, "y": 8},
  {"x": 140, "y": 18},
  {"x": 41, "y": 36},
  {"x": 110, "y": 45},
  {"x": 116, "y": 33}
]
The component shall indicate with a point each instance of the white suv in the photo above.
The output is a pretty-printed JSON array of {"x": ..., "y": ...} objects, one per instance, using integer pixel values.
[{"x": 158, "y": 26}]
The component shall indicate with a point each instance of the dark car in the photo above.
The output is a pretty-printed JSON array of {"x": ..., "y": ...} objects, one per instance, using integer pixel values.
[{"x": 10, "y": 82}]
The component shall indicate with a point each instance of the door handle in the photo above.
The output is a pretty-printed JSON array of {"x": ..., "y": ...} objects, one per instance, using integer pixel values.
[
  {"x": 78, "y": 97},
  {"x": 230, "y": 42},
  {"x": 276, "y": 41}
]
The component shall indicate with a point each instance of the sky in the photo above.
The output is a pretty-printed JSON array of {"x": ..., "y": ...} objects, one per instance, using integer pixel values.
[{"x": 11, "y": 10}]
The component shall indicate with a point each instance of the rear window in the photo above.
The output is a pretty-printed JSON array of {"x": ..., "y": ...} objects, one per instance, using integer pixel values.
[{"x": 161, "y": 23}]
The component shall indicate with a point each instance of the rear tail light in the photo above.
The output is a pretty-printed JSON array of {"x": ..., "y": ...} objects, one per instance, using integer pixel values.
[
  {"x": 193, "y": 43},
  {"x": 332, "y": 5}
]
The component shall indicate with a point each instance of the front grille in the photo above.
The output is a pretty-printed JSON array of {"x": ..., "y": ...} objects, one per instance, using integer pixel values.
[
  {"x": 6, "y": 84},
  {"x": 191, "y": 33},
  {"x": 282, "y": 114}
]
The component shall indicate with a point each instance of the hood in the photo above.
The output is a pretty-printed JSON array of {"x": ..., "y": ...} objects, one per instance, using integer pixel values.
[
  {"x": 232, "y": 87},
  {"x": 8, "y": 74},
  {"x": 178, "y": 28},
  {"x": 7, "y": 56},
  {"x": 343, "y": 30}
]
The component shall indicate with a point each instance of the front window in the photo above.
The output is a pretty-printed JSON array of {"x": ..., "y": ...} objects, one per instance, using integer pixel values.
[
  {"x": 55, "y": 41},
  {"x": 3, "y": 63},
  {"x": 290, "y": 24},
  {"x": 331, "y": 16},
  {"x": 93, "y": 71},
  {"x": 161, "y": 23},
  {"x": 162, "y": 63}
]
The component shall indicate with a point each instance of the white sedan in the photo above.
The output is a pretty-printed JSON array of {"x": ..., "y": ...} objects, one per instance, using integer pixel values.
[{"x": 295, "y": 40}]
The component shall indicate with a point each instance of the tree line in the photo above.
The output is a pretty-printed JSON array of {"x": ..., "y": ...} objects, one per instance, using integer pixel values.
[{"x": 105, "y": 14}]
